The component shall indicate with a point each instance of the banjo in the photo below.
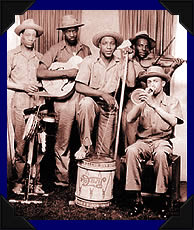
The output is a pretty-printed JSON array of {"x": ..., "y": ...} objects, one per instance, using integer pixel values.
[{"x": 62, "y": 88}]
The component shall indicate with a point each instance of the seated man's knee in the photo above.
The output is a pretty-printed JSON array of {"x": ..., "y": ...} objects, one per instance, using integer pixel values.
[
  {"x": 86, "y": 102},
  {"x": 160, "y": 155},
  {"x": 131, "y": 152}
]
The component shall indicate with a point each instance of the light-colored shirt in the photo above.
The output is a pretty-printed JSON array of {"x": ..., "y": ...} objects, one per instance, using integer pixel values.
[
  {"x": 152, "y": 126},
  {"x": 61, "y": 52},
  {"x": 22, "y": 68},
  {"x": 94, "y": 73}
]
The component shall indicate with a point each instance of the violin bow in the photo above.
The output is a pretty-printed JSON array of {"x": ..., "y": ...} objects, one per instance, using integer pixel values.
[{"x": 157, "y": 60}]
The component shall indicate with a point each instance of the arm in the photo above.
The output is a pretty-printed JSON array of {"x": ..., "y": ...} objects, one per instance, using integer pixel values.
[
  {"x": 134, "y": 113},
  {"x": 16, "y": 86},
  {"x": 169, "y": 117},
  {"x": 44, "y": 73},
  {"x": 88, "y": 91}
]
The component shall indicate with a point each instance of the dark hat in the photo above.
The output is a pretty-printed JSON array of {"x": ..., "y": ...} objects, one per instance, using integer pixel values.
[
  {"x": 118, "y": 37},
  {"x": 143, "y": 34},
  {"x": 69, "y": 21},
  {"x": 29, "y": 24},
  {"x": 153, "y": 71}
]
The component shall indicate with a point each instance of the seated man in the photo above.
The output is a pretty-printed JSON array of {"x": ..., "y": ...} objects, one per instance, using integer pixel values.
[
  {"x": 158, "y": 114},
  {"x": 98, "y": 79}
]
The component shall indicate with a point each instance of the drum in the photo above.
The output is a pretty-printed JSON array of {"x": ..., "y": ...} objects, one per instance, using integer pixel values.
[
  {"x": 94, "y": 187},
  {"x": 30, "y": 127}
]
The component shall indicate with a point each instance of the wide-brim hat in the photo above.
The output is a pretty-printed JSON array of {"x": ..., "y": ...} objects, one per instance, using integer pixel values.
[
  {"x": 143, "y": 34},
  {"x": 69, "y": 21},
  {"x": 29, "y": 24},
  {"x": 153, "y": 71},
  {"x": 118, "y": 37}
]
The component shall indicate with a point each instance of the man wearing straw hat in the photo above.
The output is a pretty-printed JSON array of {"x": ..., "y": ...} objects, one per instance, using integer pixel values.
[
  {"x": 65, "y": 109},
  {"x": 98, "y": 81},
  {"x": 142, "y": 45},
  {"x": 157, "y": 115},
  {"x": 22, "y": 64}
]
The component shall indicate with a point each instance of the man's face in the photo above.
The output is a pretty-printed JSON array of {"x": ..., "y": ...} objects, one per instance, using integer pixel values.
[
  {"x": 28, "y": 38},
  {"x": 71, "y": 35},
  {"x": 107, "y": 46},
  {"x": 142, "y": 48},
  {"x": 156, "y": 84}
]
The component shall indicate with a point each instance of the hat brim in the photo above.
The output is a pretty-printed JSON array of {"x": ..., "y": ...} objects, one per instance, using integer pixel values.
[
  {"x": 69, "y": 26},
  {"x": 145, "y": 76},
  {"x": 96, "y": 39},
  {"x": 21, "y": 27},
  {"x": 151, "y": 41}
]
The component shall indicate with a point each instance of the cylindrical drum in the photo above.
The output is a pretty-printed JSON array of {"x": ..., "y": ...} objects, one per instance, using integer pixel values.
[{"x": 94, "y": 187}]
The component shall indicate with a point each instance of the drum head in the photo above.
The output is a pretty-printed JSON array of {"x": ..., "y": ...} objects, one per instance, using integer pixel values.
[{"x": 135, "y": 96}]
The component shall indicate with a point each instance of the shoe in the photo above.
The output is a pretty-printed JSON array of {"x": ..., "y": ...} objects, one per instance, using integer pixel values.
[
  {"x": 82, "y": 153},
  {"x": 136, "y": 210},
  {"x": 164, "y": 207},
  {"x": 18, "y": 188},
  {"x": 61, "y": 183},
  {"x": 38, "y": 189}
]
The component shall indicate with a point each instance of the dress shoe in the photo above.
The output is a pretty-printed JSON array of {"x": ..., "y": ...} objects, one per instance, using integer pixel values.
[
  {"x": 136, "y": 210},
  {"x": 164, "y": 214}
]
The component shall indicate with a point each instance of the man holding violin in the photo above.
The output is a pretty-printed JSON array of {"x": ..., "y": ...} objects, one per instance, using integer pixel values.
[{"x": 140, "y": 53}]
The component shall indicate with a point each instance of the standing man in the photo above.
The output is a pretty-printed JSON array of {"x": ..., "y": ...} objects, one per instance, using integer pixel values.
[
  {"x": 22, "y": 64},
  {"x": 157, "y": 115},
  {"x": 98, "y": 81},
  {"x": 65, "y": 109},
  {"x": 142, "y": 45}
]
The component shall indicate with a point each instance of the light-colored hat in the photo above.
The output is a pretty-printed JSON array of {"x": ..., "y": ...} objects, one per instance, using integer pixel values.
[
  {"x": 69, "y": 21},
  {"x": 118, "y": 37},
  {"x": 153, "y": 71},
  {"x": 29, "y": 24},
  {"x": 143, "y": 34}
]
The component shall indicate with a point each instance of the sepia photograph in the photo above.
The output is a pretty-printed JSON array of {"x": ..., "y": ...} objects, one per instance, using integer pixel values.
[{"x": 97, "y": 115}]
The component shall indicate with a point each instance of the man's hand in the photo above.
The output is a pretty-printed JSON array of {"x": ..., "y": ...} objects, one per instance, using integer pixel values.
[
  {"x": 147, "y": 98},
  {"x": 71, "y": 73},
  {"x": 30, "y": 88},
  {"x": 176, "y": 63},
  {"x": 109, "y": 100}
]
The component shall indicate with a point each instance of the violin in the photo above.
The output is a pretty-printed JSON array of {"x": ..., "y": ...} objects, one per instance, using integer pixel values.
[
  {"x": 161, "y": 60},
  {"x": 164, "y": 61}
]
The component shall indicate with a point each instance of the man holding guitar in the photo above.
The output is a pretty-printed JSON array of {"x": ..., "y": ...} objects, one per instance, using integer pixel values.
[{"x": 50, "y": 70}]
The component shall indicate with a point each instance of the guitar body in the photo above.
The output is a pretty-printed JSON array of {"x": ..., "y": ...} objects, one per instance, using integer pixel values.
[{"x": 62, "y": 88}]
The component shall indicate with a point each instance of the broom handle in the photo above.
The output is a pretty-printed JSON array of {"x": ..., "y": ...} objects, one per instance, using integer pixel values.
[{"x": 121, "y": 105}]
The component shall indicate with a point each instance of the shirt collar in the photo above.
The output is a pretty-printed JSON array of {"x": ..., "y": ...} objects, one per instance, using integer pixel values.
[
  {"x": 19, "y": 50},
  {"x": 115, "y": 59}
]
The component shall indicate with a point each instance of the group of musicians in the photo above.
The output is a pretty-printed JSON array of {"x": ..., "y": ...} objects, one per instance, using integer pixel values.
[{"x": 147, "y": 126}]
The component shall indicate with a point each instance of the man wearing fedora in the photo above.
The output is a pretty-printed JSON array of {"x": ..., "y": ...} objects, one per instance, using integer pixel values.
[
  {"x": 98, "y": 81},
  {"x": 65, "y": 109},
  {"x": 22, "y": 64},
  {"x": 142, "y": 45},
  {"x": 157, "y": 115}
]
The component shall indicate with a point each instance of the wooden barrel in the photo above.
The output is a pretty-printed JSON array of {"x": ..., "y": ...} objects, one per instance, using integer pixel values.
[{"x": 95, "y": 182}]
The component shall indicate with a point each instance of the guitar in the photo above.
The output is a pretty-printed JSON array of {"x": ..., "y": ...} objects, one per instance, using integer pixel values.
[{"x": 62, "y": 88}]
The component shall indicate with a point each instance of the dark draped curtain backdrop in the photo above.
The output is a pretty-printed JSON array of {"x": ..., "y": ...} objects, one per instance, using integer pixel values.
[
  {"x": 49, "y": 20},
  {"x": 159, "y": 24}
]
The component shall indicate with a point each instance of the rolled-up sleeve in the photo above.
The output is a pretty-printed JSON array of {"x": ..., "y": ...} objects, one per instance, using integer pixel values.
[
  {"x": 84, "y": 73},
  {"x": 175, "y": 109},
  {"x": 49, "y": 57}
]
